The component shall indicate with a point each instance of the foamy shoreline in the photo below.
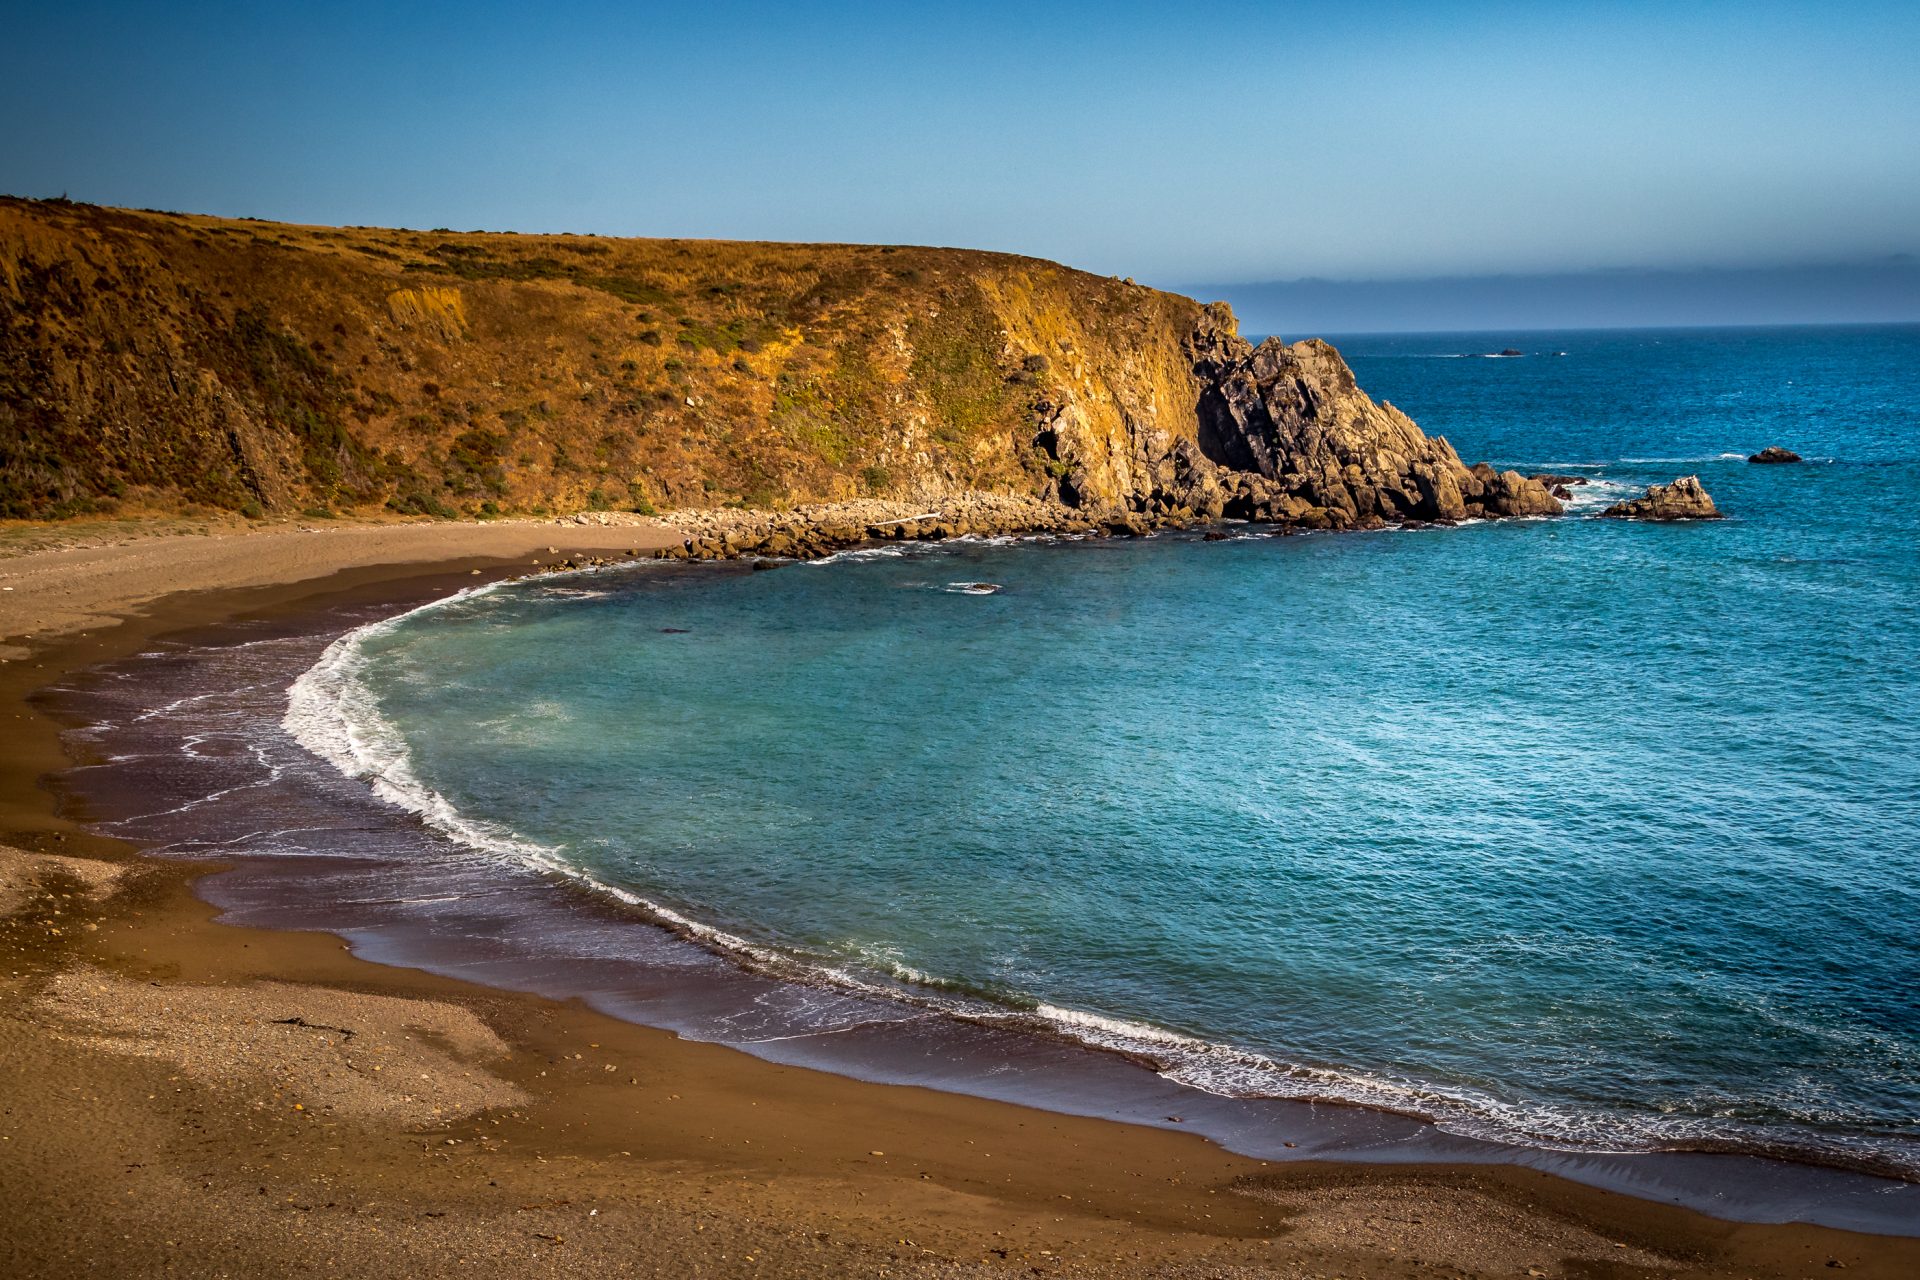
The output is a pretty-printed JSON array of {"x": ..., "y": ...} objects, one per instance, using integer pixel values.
[
  {"x": 1138, "y": 1194},
  {"x": 332, "y": 714}
]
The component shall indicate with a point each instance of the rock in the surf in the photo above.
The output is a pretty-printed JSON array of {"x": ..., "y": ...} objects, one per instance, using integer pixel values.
[
  {"x": 1508, "y": 493},
  {"x": 1774, "y": 453},
  {"x": 1684, "y": 499}
]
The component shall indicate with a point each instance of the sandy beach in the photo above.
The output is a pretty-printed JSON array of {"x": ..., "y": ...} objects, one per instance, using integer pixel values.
[{"x": 190, "y": 1098}]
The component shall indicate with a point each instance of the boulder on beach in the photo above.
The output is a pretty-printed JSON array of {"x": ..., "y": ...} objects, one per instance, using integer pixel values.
[
  {"x": 1684, "y": 499},
  {"x": 1774, "y": 453}
]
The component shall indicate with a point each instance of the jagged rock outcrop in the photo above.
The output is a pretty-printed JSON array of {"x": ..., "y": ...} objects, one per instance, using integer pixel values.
[
  {"x": 1773, "y": 453},
  {"x": 1684, "y": 499},
  {"x": 1284, "y": 433}
]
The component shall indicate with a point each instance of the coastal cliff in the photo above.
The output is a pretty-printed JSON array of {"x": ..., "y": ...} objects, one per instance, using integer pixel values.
[{"x": 155, "y": 362}]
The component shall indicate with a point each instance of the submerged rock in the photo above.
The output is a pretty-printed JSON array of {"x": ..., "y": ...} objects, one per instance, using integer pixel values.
[
  {"x": 1684, "y": 499},
  {"x": 1774, "y": 453}
]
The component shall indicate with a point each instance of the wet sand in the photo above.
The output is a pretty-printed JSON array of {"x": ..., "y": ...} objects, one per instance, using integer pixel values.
[{"x": 185, "y": 1097}]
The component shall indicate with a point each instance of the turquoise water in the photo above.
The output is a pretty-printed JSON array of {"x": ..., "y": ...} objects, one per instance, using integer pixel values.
[{"x": 1575, "y": 833}]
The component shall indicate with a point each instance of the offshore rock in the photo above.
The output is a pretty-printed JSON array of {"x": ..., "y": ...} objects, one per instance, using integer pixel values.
[
  {"x": 1684, "y": 499},
  {"x": 1774, "y": 453},
  {"x": 1508, "y": 493}
]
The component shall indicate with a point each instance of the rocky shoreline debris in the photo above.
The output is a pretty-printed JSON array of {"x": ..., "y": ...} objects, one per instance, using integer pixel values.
[
  {"x": 819, "y": 530},
  {"x": 810, "y": 532},
  {"x": 815, "y": 531},
  {"x": 1683, "y": 499}
]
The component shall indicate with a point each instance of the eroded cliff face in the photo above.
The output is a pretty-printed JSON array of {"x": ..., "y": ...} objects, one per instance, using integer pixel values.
[
  {"x": 1279, "y": 433},
  {"x": 154, "y": 361}
]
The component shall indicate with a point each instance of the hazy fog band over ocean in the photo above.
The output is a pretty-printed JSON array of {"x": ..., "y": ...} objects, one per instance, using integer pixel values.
[{"x": 1577, "y": 832}]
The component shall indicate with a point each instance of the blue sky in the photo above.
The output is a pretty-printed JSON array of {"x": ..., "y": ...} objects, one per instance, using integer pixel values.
[{"x": 1171, "y": 143}]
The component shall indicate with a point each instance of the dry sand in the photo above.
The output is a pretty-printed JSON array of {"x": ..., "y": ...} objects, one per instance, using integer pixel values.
[
  {"x": 55, "y": 591},
  {"x": 186, "y": 1098}
]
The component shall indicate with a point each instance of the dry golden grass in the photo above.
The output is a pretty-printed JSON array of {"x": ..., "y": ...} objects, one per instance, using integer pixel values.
[{"x": 152, "y": 360}]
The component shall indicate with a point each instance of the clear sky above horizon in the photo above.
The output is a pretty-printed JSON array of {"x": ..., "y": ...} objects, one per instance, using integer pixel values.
[{"x": 1171, "y": 143}]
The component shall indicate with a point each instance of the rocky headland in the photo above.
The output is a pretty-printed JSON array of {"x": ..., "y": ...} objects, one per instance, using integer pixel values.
[
  {"x": 1281, "y": 435},
  {"x": 159, "y": 363}
]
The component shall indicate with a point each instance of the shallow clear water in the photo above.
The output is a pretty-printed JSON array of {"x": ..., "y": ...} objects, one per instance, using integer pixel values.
[{"x": 1571, "y": 832}]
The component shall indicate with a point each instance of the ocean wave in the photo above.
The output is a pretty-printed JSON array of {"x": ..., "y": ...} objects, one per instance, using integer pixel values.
[
  {"x": 1463, "y": 1110},
  {"x": 1704, "y": 457},
  {"x": 885, "y": 551},
  {"x": 1598, "y": 494},
  {"x": 333, "y": 713},
  {"x": 917, "y": 547},
  {"x": 555, "y": 592}
]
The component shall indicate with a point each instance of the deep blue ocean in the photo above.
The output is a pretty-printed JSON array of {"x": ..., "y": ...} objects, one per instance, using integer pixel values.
[{"x": 1571, "y": 832}]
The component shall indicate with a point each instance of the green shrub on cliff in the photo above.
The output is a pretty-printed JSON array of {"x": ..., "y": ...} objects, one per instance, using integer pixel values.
[{"x": 956, "y": 366}]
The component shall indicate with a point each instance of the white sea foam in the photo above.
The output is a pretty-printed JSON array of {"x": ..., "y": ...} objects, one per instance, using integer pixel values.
[
  {"x": 1705, "y": 457},
  {"x": 1227, "y": 1071},
  {"x": 1598, "y": 494},
  {"x": 573, "y": 593},
  {"x": 885, "y": 551},
  {"x": 334, "y": 715}
]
